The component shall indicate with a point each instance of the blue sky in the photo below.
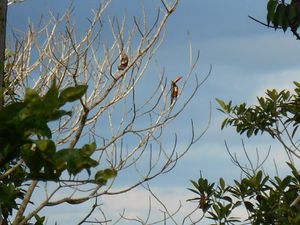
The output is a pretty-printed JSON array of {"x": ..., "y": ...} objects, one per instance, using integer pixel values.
[{"x": 246, "y": 59}]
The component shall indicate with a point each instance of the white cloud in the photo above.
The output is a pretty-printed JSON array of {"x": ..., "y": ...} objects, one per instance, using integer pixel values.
[
  {"x": 139, "y": 201},
  {"x": 278, "y": 80}
]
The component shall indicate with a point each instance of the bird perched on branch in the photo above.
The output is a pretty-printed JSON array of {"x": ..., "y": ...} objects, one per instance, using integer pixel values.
[
  {"x": 123, "y": 61},
  {"x": 174, "y": 89}
]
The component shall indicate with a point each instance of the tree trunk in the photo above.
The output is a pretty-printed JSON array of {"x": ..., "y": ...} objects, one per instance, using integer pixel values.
[{"x": 3, "y": 13}]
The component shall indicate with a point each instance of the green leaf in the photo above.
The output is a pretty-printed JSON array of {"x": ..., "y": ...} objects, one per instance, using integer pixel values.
[
  {"x": 285, "y": 182},
  {"x": 45, "y": 145},
  {"x": 217, "y": 210},
  {"x": 88, "y": 149},
  {"x": 71, "y": 94},
  {"x": 75, "y": 160},
  {"x": 249, "y": 206},
  {"x": 31, "y": 158},
  {"x": 11, "y": 112},
  {"x": 228, "y": 199},
  {"x": 279, "y": 17},
  {"x": 294, "y": 171},
  {"x": 224, "y": 123},
  {"x": 102, "y": 176},
  {"x": 51, "y": 97},
  {"x": 31, "y": 95},
  {"x": 297, "y": 84},
  {"x": 271, "y": 6},
  {"x": 39, "y": 220},
  {"x": 223, "y": 105},
  {"x": 195, "y": 191},
  {"x": 250, "y": 132},
  {"x": 292, "y": 12},
  {"x": 222, "y": 183},
  {"x": 57, "y": 114},
  {"x": 61, "y": 158},
  {"x": 258, "y": 177},
  {"x": 37, "y": 125},
  {"x": 261, "y": 101}
]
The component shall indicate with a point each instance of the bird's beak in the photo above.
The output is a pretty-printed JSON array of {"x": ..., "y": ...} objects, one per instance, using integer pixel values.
[{"x": 177, "y": 78}]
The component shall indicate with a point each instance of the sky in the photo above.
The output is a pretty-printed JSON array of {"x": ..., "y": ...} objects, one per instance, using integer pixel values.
[{"x": 246, "y": 58}]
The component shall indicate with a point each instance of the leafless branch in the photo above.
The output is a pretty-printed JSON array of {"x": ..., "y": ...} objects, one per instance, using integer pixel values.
[{"x": 127, "y": 123}]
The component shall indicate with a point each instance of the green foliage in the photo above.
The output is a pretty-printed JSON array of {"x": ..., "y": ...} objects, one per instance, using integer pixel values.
[
  {"x": 39, "y": 220},
  {"x": 71, "y": 94},
  {"x": 204, "y": 191},
  {"x": 267, "y": 201},
  {"x": 24, "y": 131},
  {"x": 284, "y": 15},
  {"x": 25, "y": 136},
  {"x": 277, "y": 108}
]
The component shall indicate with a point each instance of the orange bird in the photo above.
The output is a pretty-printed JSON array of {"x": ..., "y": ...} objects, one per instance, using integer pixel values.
[{"x": 174, "y": 89}]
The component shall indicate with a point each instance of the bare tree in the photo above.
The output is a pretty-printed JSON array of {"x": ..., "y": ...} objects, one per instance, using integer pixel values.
[{"x": 126, "y": 122}]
